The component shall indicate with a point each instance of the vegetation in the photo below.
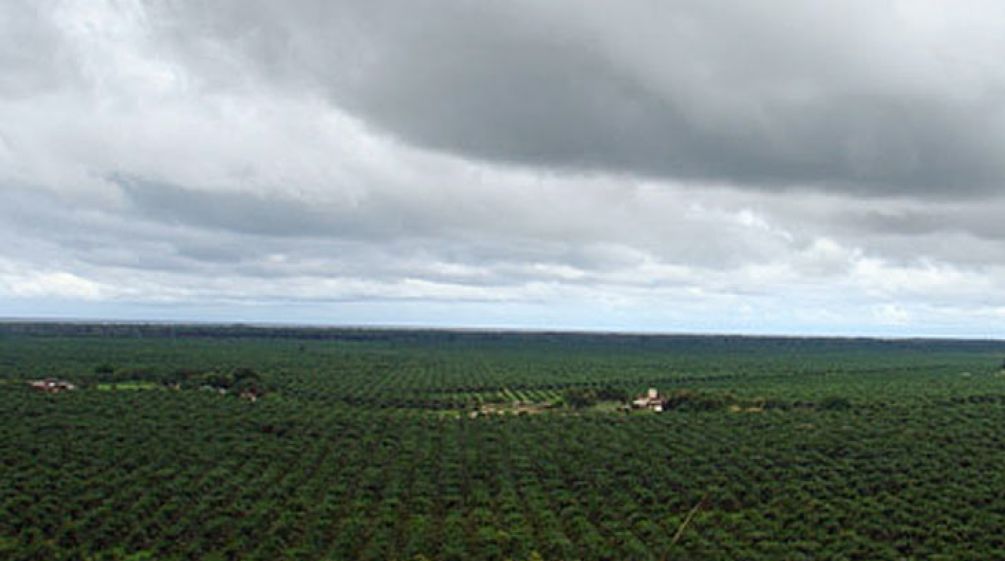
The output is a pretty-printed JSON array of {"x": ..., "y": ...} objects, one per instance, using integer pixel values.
[
  {"x": 362, "y": 446},
  {"x": 581, "y": 397}
]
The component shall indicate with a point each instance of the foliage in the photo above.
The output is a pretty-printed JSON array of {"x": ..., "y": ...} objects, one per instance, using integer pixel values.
[
  {"x": 835, "y": 403},
  {"x": 782, "y": 449},
  {"x": 578, "y": 398}
]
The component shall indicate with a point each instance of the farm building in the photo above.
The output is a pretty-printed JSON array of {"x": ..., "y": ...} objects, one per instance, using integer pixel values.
[
  {"x": 52, "y": 385},
  {"x": 650, "y": 400}
]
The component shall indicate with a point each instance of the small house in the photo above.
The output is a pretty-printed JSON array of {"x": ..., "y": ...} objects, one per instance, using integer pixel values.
[
  {"x": 651, "y": 400},
  {"x": 52, "y": 385}
]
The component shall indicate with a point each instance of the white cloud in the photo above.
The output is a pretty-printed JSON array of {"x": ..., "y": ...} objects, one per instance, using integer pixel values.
[
  {"x": 892, "y": 314},
  {"x": 50, "y": 285}
]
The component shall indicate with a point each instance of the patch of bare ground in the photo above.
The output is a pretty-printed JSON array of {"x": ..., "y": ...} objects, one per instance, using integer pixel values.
[{"x": 514, "y": 408}]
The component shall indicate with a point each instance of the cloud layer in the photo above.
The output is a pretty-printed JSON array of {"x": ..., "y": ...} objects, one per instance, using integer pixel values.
[{"x": 654, "y": 166}]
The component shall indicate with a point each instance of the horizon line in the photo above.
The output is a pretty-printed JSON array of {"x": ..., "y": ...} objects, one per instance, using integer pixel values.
[{"x": 479, "y": 329}]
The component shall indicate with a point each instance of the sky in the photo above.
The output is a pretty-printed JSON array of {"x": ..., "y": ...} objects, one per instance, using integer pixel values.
[{"x": 788, "y": 167}]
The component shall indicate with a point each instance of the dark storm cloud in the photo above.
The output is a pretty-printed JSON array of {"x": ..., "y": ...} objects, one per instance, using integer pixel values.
[{"x": 848, "y": 98}]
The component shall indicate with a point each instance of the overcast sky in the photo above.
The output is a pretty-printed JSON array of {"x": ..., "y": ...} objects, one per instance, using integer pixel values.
[{"x": 687, "y": 166}]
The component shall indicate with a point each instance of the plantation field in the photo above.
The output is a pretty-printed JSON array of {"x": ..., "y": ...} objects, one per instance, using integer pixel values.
[{"x": 354, "y": 444}]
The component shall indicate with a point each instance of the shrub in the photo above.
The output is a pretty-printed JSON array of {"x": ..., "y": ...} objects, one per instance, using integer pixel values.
[{"x": 835, "y": 403}]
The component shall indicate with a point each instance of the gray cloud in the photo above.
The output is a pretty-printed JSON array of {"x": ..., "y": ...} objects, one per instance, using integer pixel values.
[
  {"x": 241, "y": 213},
  {"x": 981, "y": 221},
  {"x": 861, "y": 97}
]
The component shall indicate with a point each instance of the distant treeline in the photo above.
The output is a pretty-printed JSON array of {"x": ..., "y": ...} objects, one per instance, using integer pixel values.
[{"x": 736, "y": 343}]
